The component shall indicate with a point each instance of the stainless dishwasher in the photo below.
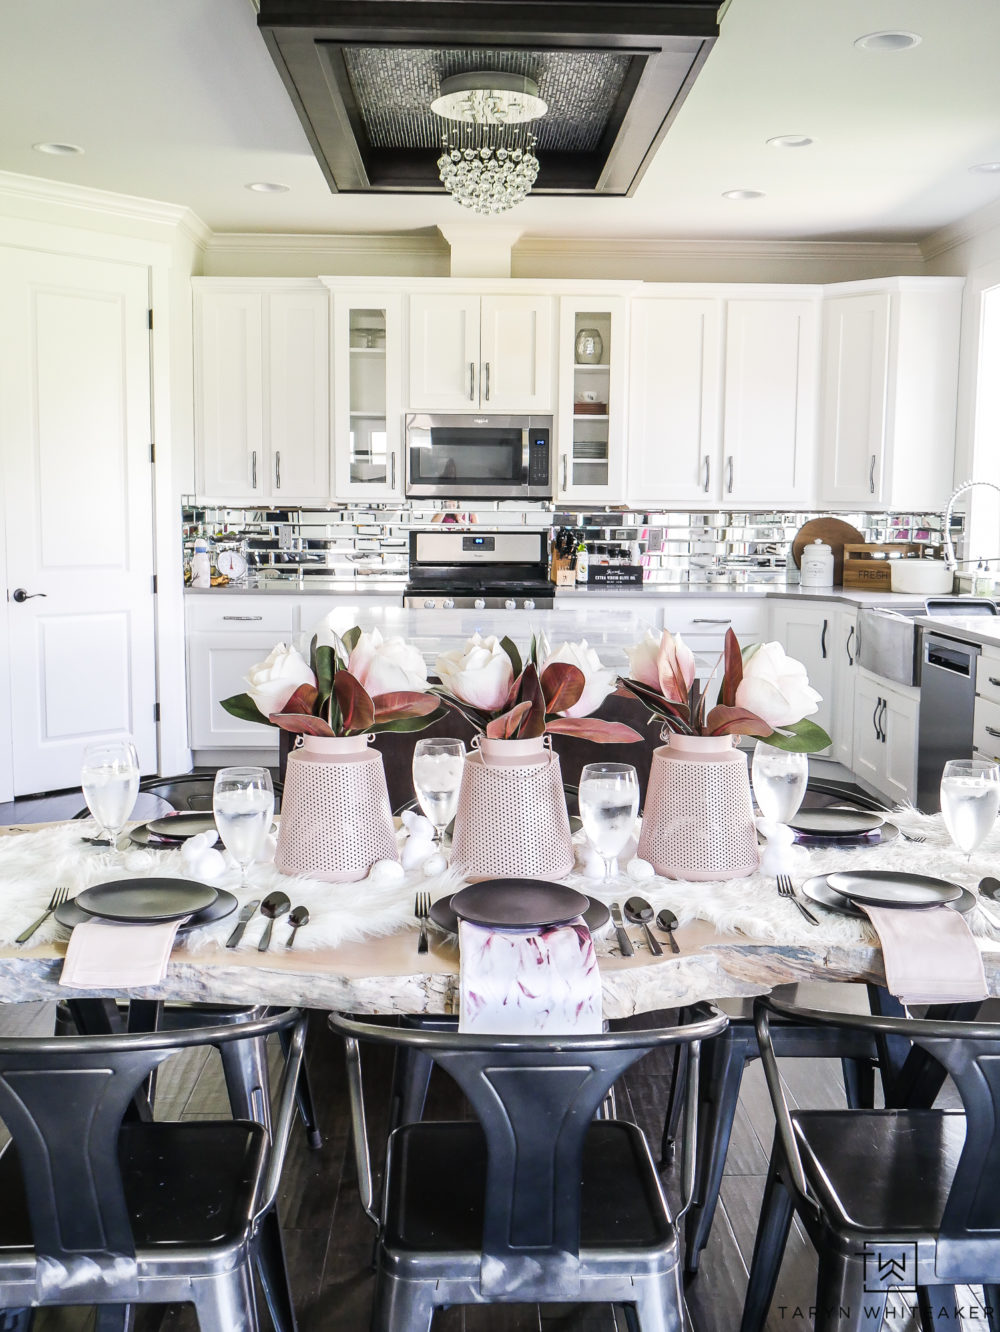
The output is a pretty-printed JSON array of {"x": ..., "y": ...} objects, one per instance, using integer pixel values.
[{"x": 947, "y": 711}]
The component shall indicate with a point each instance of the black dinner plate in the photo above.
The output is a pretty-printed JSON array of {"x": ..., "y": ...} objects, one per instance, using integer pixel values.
[
  {"x": 146, "y": 901},
  {"x": 836, "y": 822},
  {"x": 69, "y": 914},
  {"x": 888, "y": 832},
  {"x": 518, "y": 904},
  {"x": 893, "y": 888},
  {"x": 596, "y": 916},
  {"x": 818, "y": 890}
]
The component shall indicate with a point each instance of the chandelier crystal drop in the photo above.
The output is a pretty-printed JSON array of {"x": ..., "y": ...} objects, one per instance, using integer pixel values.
[{"x": 488, "y": 161}]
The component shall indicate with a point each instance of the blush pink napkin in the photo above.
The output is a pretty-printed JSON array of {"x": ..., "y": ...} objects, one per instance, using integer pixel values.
[
  {"x": 930, "y": 956},
  {"x": 102, "y": 953},
  {"x": 529, "y": 984}
]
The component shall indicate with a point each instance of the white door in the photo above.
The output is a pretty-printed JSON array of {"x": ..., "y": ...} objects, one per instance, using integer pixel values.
[
  {"x": 77, "y": 503},
  {"x": 899, "y": 727},
  {"x": 298, "y": 380},
  {"x": 769, "y": 435},
  {"x": 673, "y": 417},
  {"x": 516, "y": 369},
  {"x": 806, "y": 633},
  {"x": 229, "y": 394},
  {"x": 845, "y": 673},
  {"x": 869, "y": 757},
  {"x": 444, "y": 353},
  {"x": 855, "y": 370}
]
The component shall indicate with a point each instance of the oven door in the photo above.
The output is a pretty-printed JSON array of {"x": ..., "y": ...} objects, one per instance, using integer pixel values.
[{"x": 485, "y": 457}]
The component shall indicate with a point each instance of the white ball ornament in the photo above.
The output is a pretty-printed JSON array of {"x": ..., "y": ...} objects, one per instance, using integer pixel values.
[
  {"x": 138, "y": 860},
  {"x": 639, "y": 871},
  {"x": 415, "y": 851},
  {"x": 386, "y": 871},
  {"x": 435, "y": 864},
  {"x": 210, "y": 865}
]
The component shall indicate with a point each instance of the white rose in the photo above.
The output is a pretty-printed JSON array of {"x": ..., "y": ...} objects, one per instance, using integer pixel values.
[
  {"x": 479, "y": 673},
  {"x": 387, "y": 666},
  {"x": 642, "y": 659},
  {"x": 271, "y": 683},
  {"x": 776, "y": 688},
  {"x": 598, "y": 680}
]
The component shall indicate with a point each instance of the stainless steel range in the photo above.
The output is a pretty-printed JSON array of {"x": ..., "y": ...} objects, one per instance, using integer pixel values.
[{"x": 460, "y": 568}]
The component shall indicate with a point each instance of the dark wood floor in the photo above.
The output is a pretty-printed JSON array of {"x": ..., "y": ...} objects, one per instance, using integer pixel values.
[{"x": 329, "y": 1241}]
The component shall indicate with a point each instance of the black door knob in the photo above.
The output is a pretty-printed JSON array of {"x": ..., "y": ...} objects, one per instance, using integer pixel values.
[{"x": 20, "y": 595}]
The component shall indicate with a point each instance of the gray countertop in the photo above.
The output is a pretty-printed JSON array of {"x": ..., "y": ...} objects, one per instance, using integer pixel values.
[{"x": 981, "y": 629}]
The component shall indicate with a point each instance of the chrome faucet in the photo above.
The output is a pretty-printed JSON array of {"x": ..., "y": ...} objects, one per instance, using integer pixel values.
[{"x": 949, "y": 549}]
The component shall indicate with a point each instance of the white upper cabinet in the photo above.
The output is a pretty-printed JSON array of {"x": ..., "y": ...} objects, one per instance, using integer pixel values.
[
  {"x": 471, "y": 352},
  {"x": 262, "y": 376},
  {"x": 590, "y": 420},
  {"x": 367, "y": 394},
  {"x": 889, "y": 391},
  {"x": 769, "y": 420}
]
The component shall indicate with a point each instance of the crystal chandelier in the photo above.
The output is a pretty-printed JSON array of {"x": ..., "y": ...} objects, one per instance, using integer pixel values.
[{"x": 488, "y": 162}]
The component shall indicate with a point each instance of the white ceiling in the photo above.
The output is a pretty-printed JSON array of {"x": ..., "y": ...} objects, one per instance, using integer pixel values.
[{"x": 178, "y": 100}]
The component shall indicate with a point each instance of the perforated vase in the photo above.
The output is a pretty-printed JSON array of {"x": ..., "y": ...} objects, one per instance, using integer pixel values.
[
  {"x": 698, "y": 822},
  {"x": 512, "y": 820},
  {"x": 336, "y": 821}
]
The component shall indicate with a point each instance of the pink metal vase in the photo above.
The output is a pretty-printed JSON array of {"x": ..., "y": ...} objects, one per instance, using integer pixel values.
[
  {"x": 512, "y": 820},
  {"x": 336, "y": 821},
  {"x": 698, "y": 822}
]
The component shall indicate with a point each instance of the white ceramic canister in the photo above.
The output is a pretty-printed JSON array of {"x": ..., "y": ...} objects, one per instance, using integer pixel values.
[{"x": 816, "y": 565}]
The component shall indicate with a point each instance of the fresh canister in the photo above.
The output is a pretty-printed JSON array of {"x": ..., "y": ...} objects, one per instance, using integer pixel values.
[{"x": 816, "y": 565}]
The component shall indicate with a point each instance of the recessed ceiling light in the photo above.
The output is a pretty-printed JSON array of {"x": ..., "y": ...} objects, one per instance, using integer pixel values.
[
  {"x": 742, "y": 194},
  {"x": 888, "y": 41},
  {"x": 987, "y": 168},
  {"x": 789, "y": 141},
  {"x": 58, "y": 149},
  {"x": 267, "y": 187}
]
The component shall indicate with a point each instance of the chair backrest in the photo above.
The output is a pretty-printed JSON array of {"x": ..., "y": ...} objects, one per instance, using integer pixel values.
[
  {"x": 63, "y": 1100},
  {"x": 535, "y": 1098},
  {"x": 189, "y": 792},
  {"x": 970, "y": 1053}
]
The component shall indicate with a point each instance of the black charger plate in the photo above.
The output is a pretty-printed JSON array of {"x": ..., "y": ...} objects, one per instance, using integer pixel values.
[
  {"x": 596, "y": 916},
  {"x": 69, "y": 914}
]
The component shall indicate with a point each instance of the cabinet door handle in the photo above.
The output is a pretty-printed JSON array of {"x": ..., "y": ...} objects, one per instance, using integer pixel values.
[
  {"x": 994, "y": 681},
  {"x": 253, "y": 470},
  {"x": 242, "y": 617},
  {"x": 992, "y": 730},
  {"x": 486, "y": 382},
  {"x": 699, "y": 620},
  {"x": 708, "y": 472},
  {"x": 565, "y": 482},
  {"x": 729, "y": 483},
  {"x": 850, "y": 636},
  {"x": 871, "y": 476},
  {"x": 875, "y": 712},
  {"x": 822, "y": 639},
  {"x": 472, "y": 381},
  {"x": 277, "y": 469},
  {"x": 881, "y": 719},
  {"x": 392, "y": 481}
]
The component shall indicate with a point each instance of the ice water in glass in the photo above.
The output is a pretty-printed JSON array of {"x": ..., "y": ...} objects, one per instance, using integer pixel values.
[
  {"x": 437, "y": 779},
  {"x": 243, "y": 805},
  {"x": 779, "y": 781},
  {"x": 110, "y": 782},
  {"x": 970, "y": 799},
  {"x": 609, "y": 803}
]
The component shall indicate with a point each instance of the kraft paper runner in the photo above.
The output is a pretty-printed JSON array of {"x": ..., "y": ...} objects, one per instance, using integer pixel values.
[{"x": 930, "y": 956}]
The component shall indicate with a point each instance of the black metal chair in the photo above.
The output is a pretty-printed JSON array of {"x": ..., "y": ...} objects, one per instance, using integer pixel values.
[
  {"x": 537, "y": 1201},
  {"x": 887, "y": 1197},
  {"x": 103, "y": 1206},
  {"x": 189, "y": 792}
]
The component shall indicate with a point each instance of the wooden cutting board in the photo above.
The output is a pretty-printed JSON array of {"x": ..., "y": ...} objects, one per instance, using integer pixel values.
[{"x": 835, "y": 532}]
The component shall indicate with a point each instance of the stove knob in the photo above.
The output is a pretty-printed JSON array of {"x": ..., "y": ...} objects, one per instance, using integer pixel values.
[
  {"x": 448, "y": 604},
  {"x": 510, "y": 604},
  {"x": 529, "y": 604},
  {"x": 480, "y": 603},
  {"x": 428, "y": 605}
]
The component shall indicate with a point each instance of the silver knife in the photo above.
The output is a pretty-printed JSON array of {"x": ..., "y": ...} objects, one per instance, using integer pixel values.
[
  {"x": 624, "y": 942},
  {"x": 245, "y": 916}
]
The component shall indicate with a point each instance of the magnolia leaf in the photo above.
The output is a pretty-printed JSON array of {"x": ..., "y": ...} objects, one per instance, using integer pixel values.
[
  {"x": 356, "y": 707},
  {"x": 473, "y": 716},
  {"x": 401, "y": 706},
  {"x": 804, "y": 737},
  {"x": 725, "y": 720},
  {"x": 303, "y": 700},
  {"x": 324, "y": 669},
  {"x": 750, "y": 650},
  {"x": 732, "y": 675},
  {"x": 350, "y": 639},
  {"x": 562, "y": 686},
  {"x": 593, "y": 728},
  {"x": 505, "y": 727},
  {"x": 676, "y": 713},
  {"x": 531, "y": 692},
  {"x": 514, "y": 692},
  {"x": 301, "y": 724},
  {"x": 510, "y": 647},
  {"x": 411, "y": 723},
  {"x": 243, "y": 706}
]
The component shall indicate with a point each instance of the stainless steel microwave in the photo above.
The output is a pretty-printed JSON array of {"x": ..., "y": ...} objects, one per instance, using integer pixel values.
[{"x": 479, "y": 457}]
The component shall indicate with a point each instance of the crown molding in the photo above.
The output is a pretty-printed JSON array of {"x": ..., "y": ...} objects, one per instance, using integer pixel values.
[
  {"x": 233, "y": 242},
  {"x": 657, "y": 247},
  {"x": 954, "y": 234},
  {"x": 37, "y": 189}
]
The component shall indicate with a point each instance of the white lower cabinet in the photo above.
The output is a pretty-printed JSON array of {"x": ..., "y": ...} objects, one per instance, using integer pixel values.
[
  {"x": 845, "y": 679},
  {"x": 885, "y": 737},
  {"x": 805, "y": 629}
]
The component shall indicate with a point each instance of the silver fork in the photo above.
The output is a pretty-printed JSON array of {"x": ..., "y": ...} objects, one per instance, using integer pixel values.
[
  {"x": 912, "y": 837},
  {"x": 422, "y": 909},
  {"x": 56, "y": 900},
  {"x": 785, "y": 889}
]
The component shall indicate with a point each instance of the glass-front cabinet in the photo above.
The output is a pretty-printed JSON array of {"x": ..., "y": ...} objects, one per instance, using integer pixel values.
[
  {"x": 590, "y": 423},
  {"x": 367, "y": 397}
]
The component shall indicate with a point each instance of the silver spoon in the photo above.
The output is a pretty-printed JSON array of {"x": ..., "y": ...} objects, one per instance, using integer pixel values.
[
  {"x": 639, "y": 912},
  {"x": 667, "y": 921},
  {"x": 297, "y": 917},
  {"x": 990, "y": 889},
  {"x": 274, "y": 904}
]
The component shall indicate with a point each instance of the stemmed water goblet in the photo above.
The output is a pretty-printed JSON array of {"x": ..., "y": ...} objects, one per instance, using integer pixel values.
[
  {"x": 970, "y": 799},
  {"x": 110, "y": 782},
  {"x": 243, "y": 805},
  {"x": 437, "y": 779},
  {"x": 609, "y": 803},
  {"x": 779, "y": 781}
]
